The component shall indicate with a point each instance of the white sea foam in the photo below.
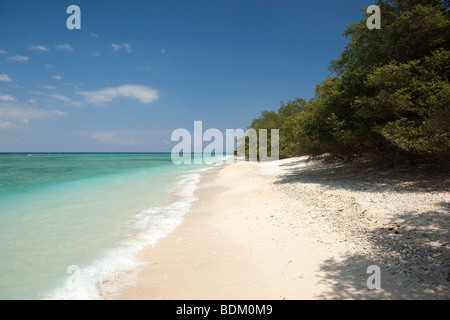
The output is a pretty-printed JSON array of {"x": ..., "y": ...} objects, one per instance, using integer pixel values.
[{"x": 119, "y": 266}]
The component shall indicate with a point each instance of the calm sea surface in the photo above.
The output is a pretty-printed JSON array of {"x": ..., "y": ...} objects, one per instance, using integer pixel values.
[{"x": 71, "y": 224}]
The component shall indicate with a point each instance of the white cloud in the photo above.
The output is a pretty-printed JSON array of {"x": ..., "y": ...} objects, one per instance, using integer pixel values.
[
  {"x": 118, "y": 47},
  {"x": 57, "y": 77},
  {"x": 139, "y": 92},
  {"x": 8, "y": 139},
  {"x": 94, "y": 35},
  {"x": 125, "y": 137},
  {"x": 5, "y": 77},
  {"x": 64, "y": 47},
  {"x": 127, "y": 47},
  {"x": 60, "y": 97},
  {"x": 56, "y": 96},
  {"x": 5, "y": 125},
  {"x": 163, "y": 50},
  {"x": 129, "y": 137},
  {"x": 38, "y": 48},
  {"x": 48, "y": 87},
  {"x": 6, "y": 97},
  {"x": 96, "y": 54},
  {"x": 3, "y": 51},
  {"x": 18, "y": 58},
  {"x": 16, "y": 116},
  {"x": 116, "y": 137}
]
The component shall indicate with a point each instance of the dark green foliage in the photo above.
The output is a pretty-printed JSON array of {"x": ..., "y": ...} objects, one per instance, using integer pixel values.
[
  {"x": 389, "y": 95},
  {"x": 277, "y": 120},
  {"x": 410, "y": 106}
]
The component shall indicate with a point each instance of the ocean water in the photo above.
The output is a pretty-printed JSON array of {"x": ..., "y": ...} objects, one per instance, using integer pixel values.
[{"x": 72, "y": 224}]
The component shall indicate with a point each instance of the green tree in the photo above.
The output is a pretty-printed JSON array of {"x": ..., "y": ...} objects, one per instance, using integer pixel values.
[
  {"x": 277, "y": 120},
  {"x": 388, "y": 95},
  {"x": 411, "y": 106},
  {"x": 393, "y": 84}
]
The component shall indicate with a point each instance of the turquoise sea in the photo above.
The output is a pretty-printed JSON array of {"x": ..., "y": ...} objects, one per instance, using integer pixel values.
[{"x": 71, "y": 224}]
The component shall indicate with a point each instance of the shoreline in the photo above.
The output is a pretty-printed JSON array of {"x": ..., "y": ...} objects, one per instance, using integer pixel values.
[
  {"x": 179, "y": 265},
  {"x": 287, "y": 236}
]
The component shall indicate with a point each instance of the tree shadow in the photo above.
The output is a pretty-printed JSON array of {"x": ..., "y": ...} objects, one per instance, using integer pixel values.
[
  {"x": 369, "y": 175},
  {"x": 413, "y": 253}
]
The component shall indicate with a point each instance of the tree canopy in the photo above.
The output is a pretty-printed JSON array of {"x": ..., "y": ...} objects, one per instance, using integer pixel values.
[{"x": 388, "y": 94}]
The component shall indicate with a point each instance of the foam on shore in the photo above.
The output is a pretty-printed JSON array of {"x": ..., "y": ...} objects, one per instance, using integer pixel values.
[{"x": 118, "y": 266}]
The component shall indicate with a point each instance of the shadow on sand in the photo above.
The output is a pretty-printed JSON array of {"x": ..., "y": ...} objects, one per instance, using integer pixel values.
[
  {"x": 413, "y": 251},
  {"x": 416, "y": 267},
  {"x": 369, "y": 175}
]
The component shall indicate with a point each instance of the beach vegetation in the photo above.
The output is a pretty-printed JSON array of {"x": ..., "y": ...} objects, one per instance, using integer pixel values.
[{"x": 388, "y": 94}]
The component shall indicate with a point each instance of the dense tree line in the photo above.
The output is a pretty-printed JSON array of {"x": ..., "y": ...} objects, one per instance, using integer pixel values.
[{"x": 388, "y": 94}]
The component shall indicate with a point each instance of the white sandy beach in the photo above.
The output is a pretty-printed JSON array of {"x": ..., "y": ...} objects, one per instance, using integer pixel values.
[{"x": 309, "y": 232}]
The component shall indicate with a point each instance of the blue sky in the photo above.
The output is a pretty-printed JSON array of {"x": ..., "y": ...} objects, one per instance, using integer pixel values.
[{"x": 137, "y": 70}]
